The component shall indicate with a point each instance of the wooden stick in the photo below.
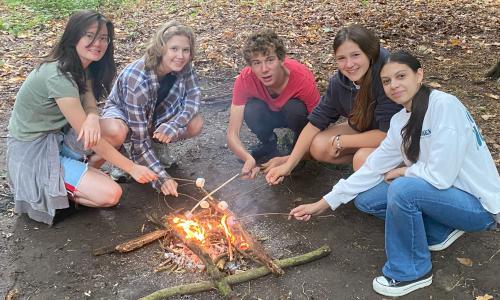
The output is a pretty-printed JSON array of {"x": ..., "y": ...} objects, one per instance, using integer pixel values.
[
  {"x": 263, "y": 214},
  {"x": 212, "y": 192},
  {"x": 259, "y": 255},
  {"x": 133, "y": 244},
  {"x": 202, "y": 286},
  {"x": 212, "y": 270},
  {"x": 183, "y": 179}
]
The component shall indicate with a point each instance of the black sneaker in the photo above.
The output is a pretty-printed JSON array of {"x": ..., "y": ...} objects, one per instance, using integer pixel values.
[
  {"x": 389, "y": 287},
  {"x": 268, "y": 148}
]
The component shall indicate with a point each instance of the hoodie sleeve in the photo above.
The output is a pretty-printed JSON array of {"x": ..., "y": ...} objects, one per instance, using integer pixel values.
[
  {"x": 327, "y": 111},
  {"x": 385, "y": 158}
]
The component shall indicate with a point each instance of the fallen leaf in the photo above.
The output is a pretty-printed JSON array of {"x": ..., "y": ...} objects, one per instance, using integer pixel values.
[
  {"x": 465, "y": 261},
  {"x": 496, "y": 97},
  {"x": 487, "y": 117},
  {"x": 434, "y": 85},
  {"x": 455, "y": 42},
  {"x": 484, "y": 297},
  {"x": 16, "y": 79}
]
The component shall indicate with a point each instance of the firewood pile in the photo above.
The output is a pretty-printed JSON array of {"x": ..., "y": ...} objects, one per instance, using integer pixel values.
[{"x": 209, "y": 239}]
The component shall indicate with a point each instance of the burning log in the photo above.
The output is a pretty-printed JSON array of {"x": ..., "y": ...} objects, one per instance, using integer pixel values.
[
  {"x": 212, "y": 270},
  {"x": 258, "y": 253},
  {"x": 238, "y": 278},
  {"x": 134, "y": 243}
]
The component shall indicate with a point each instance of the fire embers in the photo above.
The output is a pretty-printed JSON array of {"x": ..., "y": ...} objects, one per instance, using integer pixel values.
[
  {"x": 192, "y": 229},
  {"x": 206, "y": 236}
]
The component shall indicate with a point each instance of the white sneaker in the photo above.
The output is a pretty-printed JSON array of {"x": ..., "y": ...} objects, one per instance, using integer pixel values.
[
  {"x": 118, "y": 175},
  {"x": 453, "y": 236},
  {"x": 393, "y": 288}
]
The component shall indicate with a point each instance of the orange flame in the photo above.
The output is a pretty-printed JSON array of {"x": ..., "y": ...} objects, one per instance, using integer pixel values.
[
  {"x": 192, "y": 229},
  {"x": 226, "y": 229}
]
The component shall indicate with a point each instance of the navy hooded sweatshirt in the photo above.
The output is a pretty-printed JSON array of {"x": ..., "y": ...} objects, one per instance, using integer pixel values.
[{"x": 340, "y": 95}]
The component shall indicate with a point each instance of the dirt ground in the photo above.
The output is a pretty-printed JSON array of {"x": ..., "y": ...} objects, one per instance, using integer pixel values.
[
  {"x": 41, "y": 262},
  {"x": 456, "y": 40}
]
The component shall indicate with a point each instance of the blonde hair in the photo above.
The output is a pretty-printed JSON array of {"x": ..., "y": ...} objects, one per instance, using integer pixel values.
[{"x": 155, "y": 48}]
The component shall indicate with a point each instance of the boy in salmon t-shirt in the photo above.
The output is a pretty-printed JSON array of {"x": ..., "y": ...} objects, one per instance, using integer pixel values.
[{"x": 271, "y": 92}]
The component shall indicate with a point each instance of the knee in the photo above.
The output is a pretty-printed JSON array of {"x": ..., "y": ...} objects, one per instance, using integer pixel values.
[
  {"x": 114, "y": 131},
  {"x": 360, "y": 157},
  {"x": 361, "y": 203},
  {"x": 112, "y": 195},
  {"x": 253, "y": 109},
  {"x": 401, "y": 190},
  {"x": 295, "y": 113},
  {"x": 195, "y": 126},
  {"x": 318, "y": 148},
  {"x": 295, "y": 109}
]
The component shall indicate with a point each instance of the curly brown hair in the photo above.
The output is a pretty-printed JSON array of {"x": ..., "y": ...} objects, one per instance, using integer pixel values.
[{"x": 263, "y": 42}]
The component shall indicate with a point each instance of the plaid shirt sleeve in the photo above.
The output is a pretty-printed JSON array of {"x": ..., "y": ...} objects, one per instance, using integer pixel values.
[
  {"x": 191, "y": 99},
  {"x": 137, "y": 98}
]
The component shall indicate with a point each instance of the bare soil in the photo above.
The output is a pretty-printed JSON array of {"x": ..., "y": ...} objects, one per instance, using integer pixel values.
[{"x": 56, "y": 262}]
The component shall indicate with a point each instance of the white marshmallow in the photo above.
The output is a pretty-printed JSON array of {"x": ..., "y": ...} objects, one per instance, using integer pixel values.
[
  {"x": 200, "y": 182},
  {"x": 204, "y": 204},
  {"x": 222, "y": 205}
]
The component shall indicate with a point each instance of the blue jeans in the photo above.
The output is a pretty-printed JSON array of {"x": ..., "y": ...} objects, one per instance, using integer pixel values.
[
  {"x": 417, "y": 215},
  {"x": 261, "y": 120}
]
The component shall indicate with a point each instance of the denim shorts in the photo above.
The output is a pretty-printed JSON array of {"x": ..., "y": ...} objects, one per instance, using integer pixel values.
[{"x": 74, "y": 168}]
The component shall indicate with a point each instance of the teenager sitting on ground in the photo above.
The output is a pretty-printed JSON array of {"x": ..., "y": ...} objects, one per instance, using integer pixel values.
[
  {"x": 273, "y": 91},
  {"x": 448, "y": 184},
  {"x": 156, "y": 99},
  {"x": 354, "y": 92},
  {"x": 43, "y": 169}
]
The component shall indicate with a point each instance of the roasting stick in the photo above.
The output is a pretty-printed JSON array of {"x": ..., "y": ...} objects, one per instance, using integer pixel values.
[
  {"x": 183, "y": 179},
  {"x": 212, "y": 192},
  {"x": 284, "y": 214}
]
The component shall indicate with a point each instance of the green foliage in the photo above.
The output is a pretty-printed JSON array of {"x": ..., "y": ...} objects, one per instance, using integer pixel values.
[{"x": 27, "y": 14}]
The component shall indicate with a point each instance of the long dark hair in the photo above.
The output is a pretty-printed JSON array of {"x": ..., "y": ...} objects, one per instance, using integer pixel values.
[
  {"x": 101, "y": 72},
  {"x": 412, "y": 131},
  {"x": 363, "y": 109}
]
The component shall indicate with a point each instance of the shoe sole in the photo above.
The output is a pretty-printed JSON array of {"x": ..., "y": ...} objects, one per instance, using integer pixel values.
[
  {"x": 400, "y": 291},
  {"x": 447, "y": 243}
]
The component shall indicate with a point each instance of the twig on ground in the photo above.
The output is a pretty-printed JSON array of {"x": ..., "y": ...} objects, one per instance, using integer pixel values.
[
  {"x": 304, "y": 291},
  {"x": 6, "y": 195},
  {"x": 213, "y": 87},
  {"x": 489, "y": 260},
  {"x": 326, "y": 216},
  {"x": 456, "y": 284}
]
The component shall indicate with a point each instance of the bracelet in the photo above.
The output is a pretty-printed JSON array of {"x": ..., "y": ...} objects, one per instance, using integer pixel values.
[{"x": 336, "y": 140}]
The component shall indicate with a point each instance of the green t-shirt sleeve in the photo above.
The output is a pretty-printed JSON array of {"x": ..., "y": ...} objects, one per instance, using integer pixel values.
[{"x": 59, "y": 86}]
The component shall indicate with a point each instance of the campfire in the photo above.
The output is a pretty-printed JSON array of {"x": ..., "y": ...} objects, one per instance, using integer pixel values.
[
  {"x": 210, "y": 231},
  {"x": 208, "y": 238}
]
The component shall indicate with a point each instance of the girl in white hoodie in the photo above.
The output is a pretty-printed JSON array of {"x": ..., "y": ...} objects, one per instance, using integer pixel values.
[{"x": 431, "y": 179}]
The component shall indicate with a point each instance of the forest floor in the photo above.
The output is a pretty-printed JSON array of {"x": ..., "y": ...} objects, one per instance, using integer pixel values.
[{"x": 456, "y": 40}]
